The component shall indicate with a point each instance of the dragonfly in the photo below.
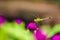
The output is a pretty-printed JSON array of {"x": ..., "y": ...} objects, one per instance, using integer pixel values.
[{"x": 39, "y": 19}]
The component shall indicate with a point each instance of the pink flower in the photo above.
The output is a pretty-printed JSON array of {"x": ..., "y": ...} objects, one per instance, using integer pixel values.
[
  {"x": 32, "y": 26},
  {"x": 2, "y": 19},
  {"x": 18, "y": 21},
  {"x": 39, "y": 35},
  {"x": 56, "y": 37}
]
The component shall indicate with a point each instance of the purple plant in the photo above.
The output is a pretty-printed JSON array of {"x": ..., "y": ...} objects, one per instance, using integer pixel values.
[
  {"x": 39, "y": 35},
  {"x": 18, "y": 21},
  {"x": 32, "y": 26},
  {"x": 2, "y": 19},
  {"x": 37, "y": 32},
  {"x": 56, "y": 37}
]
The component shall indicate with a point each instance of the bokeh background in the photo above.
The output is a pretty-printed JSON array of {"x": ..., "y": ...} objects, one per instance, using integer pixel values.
[{"x": 28, "y": 10}]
